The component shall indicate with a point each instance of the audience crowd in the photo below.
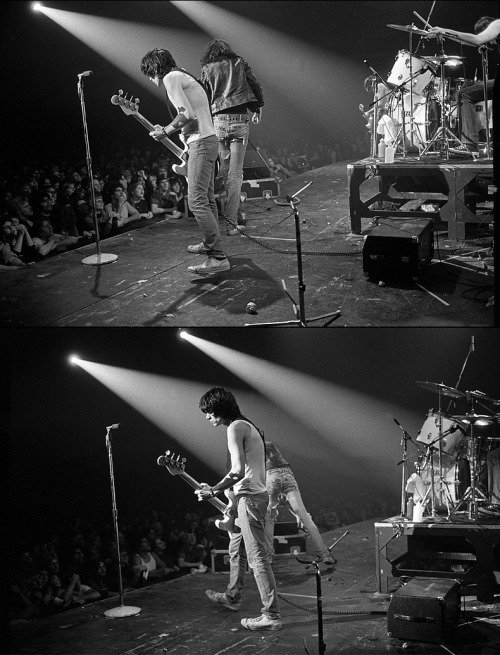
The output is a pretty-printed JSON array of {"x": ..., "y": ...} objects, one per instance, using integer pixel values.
[
  {"x": 46, "y": 208},
  {"x": 75, "y": 561}
]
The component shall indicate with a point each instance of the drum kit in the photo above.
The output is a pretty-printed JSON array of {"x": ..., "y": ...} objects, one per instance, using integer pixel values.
[
  {"x": 451, "y": 474},
  {"x": 418, "y": 104}
]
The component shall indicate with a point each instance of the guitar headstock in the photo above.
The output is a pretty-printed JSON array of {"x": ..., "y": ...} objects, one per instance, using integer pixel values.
[
  {"x": 128, "y": 106},
  {"x": 174, "y": 465}
]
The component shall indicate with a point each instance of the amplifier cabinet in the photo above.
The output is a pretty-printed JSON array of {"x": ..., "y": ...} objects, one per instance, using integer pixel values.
[
  {"x": 424, "y": 610},
  {"x": 398, "y": 248}
]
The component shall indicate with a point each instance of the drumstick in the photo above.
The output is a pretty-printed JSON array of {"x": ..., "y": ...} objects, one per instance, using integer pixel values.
[{"x": 423, "y": 20}]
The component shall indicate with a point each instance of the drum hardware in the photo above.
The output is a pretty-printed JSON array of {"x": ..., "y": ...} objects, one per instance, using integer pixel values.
[
  {"x": 484, "y": 62},
  {"x": 473, "y": 495},
  {"x": 443, "y": 135}
]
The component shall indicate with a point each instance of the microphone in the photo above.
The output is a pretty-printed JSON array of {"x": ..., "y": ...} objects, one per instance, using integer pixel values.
[
  {"x": 115, "y": 426},
  {"x": 372, "y": 69},
  {"x": 85, "y": 74},
  {"x": 472, "y": 347},
  {"x": 396, "y": 421}
]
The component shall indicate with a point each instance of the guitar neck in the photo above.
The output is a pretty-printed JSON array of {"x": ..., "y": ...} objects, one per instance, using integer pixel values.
[
  {"x": 196, "y": 485},
  {"x": 164, "y": 140}
]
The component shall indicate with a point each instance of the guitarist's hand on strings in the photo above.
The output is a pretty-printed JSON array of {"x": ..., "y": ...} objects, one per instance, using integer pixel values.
[
  {"x": 205, "y": 491},
  {"x": 158, "y": 133}
]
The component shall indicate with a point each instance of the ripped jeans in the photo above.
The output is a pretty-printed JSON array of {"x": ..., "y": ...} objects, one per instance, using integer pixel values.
[{"x": 232, "y": 131}]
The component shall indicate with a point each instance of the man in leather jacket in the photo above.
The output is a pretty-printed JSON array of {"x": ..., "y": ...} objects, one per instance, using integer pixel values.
[{"x": 233, "y": 90}]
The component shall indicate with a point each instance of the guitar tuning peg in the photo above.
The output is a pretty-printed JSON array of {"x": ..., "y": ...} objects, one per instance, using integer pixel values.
[
  {"x": 183, "y": 460},
  {"x": 120, "y": 92},
  {"x": 137, "y": 101},
  {"x": 178, "y": 458},
  {"x": 167, "y": 453}
]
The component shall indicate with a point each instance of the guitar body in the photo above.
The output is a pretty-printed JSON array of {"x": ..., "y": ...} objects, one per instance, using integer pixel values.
[
  {"x": 176, "y": 466},
  {"x": 131, "y": 108}
]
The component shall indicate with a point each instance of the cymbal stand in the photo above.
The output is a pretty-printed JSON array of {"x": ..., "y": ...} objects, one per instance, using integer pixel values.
[
  {"x": 443, "y": 134},
  {"x": 472, "y": 495},
  {"x": 484, "y": 61}
]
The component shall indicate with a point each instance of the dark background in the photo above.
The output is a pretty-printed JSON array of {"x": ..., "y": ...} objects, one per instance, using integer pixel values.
[
  {"x": 41, "y": 111},
  {"x": 58, "y": 412}
]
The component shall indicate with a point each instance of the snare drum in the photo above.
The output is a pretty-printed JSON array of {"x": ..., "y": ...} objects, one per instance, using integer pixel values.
[
  {"x": 400, "y": 73},
  {"x": 453, "y": 432}
]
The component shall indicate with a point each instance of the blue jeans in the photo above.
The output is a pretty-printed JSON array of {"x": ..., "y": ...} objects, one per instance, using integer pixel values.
[
  {"x": 232, "y": 131},
  {"x": 201, "y": 199},
  {"x": 251, "y": 519},
  {"x": 282, "y": 481},
  {"x": 468, "y": 97}
]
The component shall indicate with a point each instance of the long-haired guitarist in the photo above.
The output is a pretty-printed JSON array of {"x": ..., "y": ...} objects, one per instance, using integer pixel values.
[
  {"x": 194, "y": 119},
  {"x": 247, "y": 476}
]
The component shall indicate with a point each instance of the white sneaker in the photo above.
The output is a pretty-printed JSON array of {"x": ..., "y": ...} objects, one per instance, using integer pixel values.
[
  {"x": 211, "y": 267},
  {"x": 262, "y": 622}
]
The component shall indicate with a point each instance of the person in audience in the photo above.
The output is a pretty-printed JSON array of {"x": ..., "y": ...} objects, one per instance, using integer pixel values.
[
  {"x": 96, "y": 577},
  {"x": 189, "y": 556},
  {"x": 144, "y": 562},
  {"x": 64, "y": 217},
  {"x": 163, "y": 560},
  {"x": 16, "y": 244},
  {"x": 120, "y": 210},
  {"x": 138, "y": 201},
  {"x": 24, "y": 212},
  {"x": 162, "y": 202},
  {"x": 46, "y": 241},
  {"x": 177, "y": 193}
]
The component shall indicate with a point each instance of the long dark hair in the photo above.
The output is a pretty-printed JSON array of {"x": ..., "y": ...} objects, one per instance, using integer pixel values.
[
  {"x": 217, "y": 49},
  {"x": 157, "y": 62}
]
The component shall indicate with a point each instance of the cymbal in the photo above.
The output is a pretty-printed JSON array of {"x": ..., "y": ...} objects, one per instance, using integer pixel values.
[
  {"x": 442, "y": 388},
  {"x": 408, "y": 28},
  {"x": 438, "y": 59},
  {"x": 475, "y": 418}
]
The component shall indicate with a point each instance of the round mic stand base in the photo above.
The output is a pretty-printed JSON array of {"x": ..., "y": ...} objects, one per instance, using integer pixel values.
[
  {"x": 99, "y": 259},
  {"x": 122, "y": 612}
]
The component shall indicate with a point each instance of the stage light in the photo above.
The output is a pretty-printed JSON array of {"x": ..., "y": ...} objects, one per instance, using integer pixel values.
[
  {"x": 183, "y": 334},
  {"x": 37, "y": 7},
  {"x": 74, "y": 359}
]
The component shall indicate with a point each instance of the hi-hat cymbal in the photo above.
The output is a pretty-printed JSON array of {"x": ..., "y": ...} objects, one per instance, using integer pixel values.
[
  {"x": 408, "y": 28},
  {"x": 442, "y": 388}
]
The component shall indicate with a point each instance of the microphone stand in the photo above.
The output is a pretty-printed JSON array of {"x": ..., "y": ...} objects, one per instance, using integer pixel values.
[
  {"x": 404, "y": 461},
  {"x": 299, "y": 310},
  {"x": 99, "y": 258},
  {"x": 121, "y": 611}
]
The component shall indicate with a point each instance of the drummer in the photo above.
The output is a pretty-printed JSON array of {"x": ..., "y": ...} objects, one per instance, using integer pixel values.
[
  {"x": 486, "y": 29},
  {"x": 493, "y": 468}
]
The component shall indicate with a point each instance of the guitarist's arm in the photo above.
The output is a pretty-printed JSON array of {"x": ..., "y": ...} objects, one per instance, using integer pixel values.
[
  {"x": 185, "y": 112},
  {"x": 236, "y": 433}
]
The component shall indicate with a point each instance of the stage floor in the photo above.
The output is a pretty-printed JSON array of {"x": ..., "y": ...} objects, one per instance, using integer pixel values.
[
  {"x": 177, "y": 617},
  {"x": 149, "y": 285}
]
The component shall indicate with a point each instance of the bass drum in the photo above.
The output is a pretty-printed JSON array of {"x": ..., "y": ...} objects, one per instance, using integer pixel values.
[
  {"x": 456, "y": 479},
  {"x": 425, "y": 115}
]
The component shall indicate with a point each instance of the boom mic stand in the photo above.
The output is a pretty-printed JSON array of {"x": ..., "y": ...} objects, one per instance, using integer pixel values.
[
  {"x": 484, "y": 61},
  {"x": 121, "y": 611},
  {"x": 99, "y": 258},
  {"x": 299, "y": 310}
]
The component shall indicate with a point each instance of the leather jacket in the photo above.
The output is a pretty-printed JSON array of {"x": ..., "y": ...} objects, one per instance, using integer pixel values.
[{"x": 230, "y": 82}]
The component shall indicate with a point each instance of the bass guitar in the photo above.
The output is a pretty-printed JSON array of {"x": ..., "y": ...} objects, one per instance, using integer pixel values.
[
  {"x": 177, "y": 465},
  {"x": 131, "y": 108}
]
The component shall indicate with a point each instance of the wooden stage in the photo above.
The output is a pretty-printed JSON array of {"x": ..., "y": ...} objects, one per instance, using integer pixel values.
[
  {"x": 149, "y": 285},
  {"x": 176, "y": 616}
]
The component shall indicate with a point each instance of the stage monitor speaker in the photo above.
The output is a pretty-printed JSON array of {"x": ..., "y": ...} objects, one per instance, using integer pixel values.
[
  {"x": 398, "y": 248},
  {"x": 424, "y": 609},
  {"x": 254, "y": 167}
]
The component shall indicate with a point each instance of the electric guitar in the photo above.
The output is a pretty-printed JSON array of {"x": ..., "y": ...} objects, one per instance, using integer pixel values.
[
  {"x": 131, "y": 108},
  {"x": 176, "y": 466}
]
